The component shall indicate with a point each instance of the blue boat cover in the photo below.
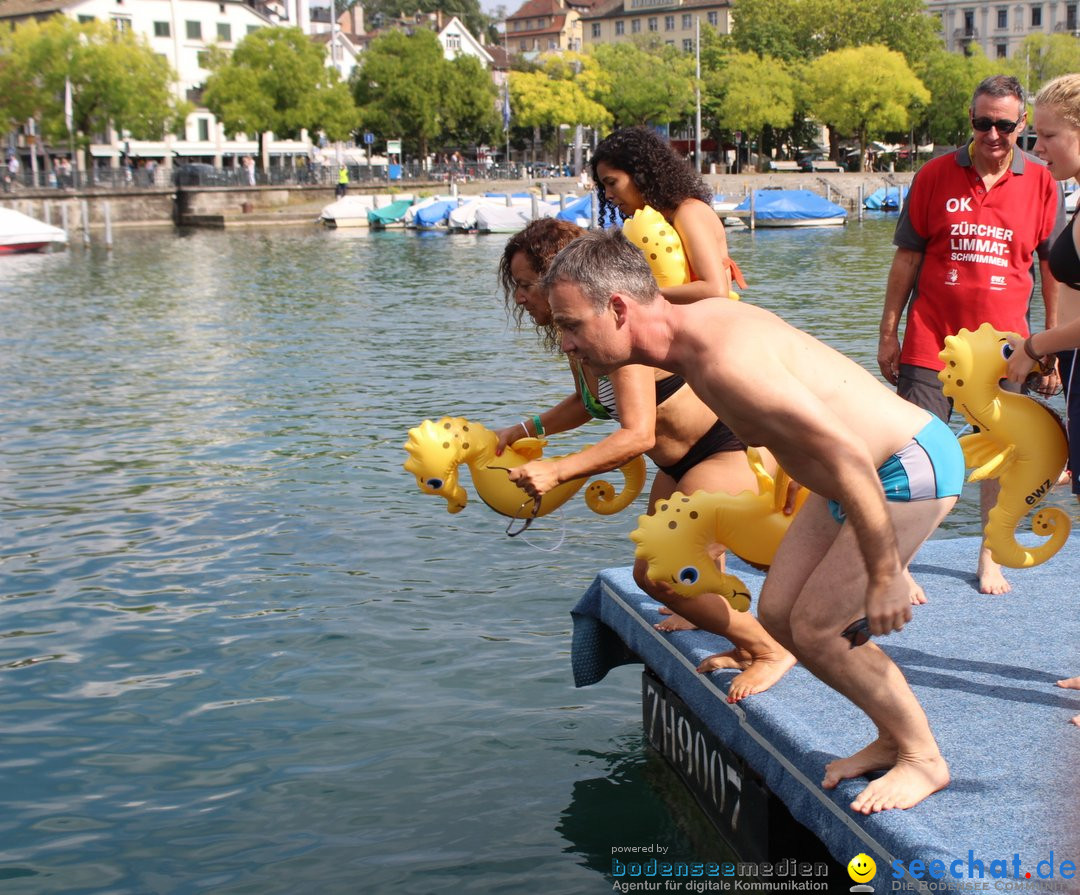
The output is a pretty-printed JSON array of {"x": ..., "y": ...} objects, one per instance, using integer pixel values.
[
  {"x": 885, "y": 198},
  {"x": 791, "y": 205},
  {"x": 434, "y": 214},
  {"x": 984, "y": 669},
  {"x": 578, "y": 210}
]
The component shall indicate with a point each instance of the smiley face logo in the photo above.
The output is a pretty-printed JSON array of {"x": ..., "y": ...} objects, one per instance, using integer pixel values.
[{"x": 861, "y": 868}]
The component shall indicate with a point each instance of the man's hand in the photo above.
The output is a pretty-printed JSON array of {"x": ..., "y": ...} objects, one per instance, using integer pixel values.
[
  {"x": 888, "y": 357},
  {"x": 888, "y": 603}
]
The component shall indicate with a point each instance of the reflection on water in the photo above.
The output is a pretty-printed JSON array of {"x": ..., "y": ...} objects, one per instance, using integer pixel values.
[{"x": 239, "y": 650}]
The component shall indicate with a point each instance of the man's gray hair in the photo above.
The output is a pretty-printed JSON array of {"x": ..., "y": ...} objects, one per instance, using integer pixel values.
[
  {"x": 1000, "y": 86},
  {"x": 601, "y": 263}
]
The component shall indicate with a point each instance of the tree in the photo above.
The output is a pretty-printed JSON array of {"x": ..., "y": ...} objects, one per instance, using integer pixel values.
[
  {"x": 116, "y": 80},
  {"x": 863, "y": 91},
  {"x": 277, "y": 80},
  {"x": 1043, "y": 57},
  {"x": 951, "y": 79},
  {"x": 471, "y": 102},
  {"x": 642, "y": 85},
  {"x": 795, "y": 30},
  {"x": 747, "y": 92},
  {"x": 405, "y": 87}
]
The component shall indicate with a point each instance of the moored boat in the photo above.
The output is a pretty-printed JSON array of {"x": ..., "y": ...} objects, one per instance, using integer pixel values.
[
  {"x": 790, "y": 208},
  {"x": 21, "y": 233}
]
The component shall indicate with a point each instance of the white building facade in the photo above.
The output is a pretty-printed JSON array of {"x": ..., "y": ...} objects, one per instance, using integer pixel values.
[{"x": 1000, "y": 28}]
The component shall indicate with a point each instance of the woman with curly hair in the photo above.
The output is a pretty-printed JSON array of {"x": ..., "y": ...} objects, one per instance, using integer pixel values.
[
  {"x": 634, "y": 167},
  {"x": 658, "y": 415}
]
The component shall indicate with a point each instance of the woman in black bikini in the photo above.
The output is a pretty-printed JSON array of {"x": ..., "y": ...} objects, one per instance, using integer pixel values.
[
  {"x": 1057, "y": 126},
  {"x": 659, "y": 416}
]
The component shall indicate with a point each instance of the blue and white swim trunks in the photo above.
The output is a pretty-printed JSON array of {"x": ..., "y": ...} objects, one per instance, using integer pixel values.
[{"x": 928, "y": 467}]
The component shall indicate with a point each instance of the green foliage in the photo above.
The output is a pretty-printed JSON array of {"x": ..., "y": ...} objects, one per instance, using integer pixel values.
[
  {"x": 560, "y": 91},
  {"x": 405, "y": 87},
  {"x": 951, "y": 79},
  {"x": 642, "y": 85},
  {"x": 116, "y": 79},
  {"x": 749, "y": 92},
  {"x": 863, "y": 91},
  {"x": 805, "y": 29},
  {"x": 277, "y": 80},
  {"x": 1043, "y": 57},
  {"x": 471, "y": 103}
]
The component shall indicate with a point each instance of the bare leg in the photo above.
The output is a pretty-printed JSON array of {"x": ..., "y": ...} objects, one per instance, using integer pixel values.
[
  {"x": 763, "y": 660},
  {"x": 991, "y": 578},
  {"x": 809, "y": 595}
]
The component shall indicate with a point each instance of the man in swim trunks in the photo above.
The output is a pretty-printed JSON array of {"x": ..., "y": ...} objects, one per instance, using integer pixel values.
[
  {"x": 835, "y": 429},
  {"x": 964, "y": 246}
]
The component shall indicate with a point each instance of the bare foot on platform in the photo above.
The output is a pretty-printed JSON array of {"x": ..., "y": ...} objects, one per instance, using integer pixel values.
[
  {"x": 1070, "y": 683},
  {"x": 673, "y": 622},
  {"x": 733, "y": 658},
  {"x": 991, "y": 579},
  {"x": 909, "y": 782},
  {"x": 879, "y": 755},
  {"x": 762, "y": 674},
  {"x": 918, "y": 595}
]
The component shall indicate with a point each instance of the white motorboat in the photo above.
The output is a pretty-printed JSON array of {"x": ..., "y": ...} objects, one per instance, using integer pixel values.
[{"x": 22, "y": 233}]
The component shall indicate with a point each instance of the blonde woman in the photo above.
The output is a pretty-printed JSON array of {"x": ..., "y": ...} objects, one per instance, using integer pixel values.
[{"x": 1057, "y": 126}]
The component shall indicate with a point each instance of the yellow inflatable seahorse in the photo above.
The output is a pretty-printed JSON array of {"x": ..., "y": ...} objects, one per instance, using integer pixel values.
[
  {"x": 437, "y": 449},
  {"x": 680, "y": 540},
  {"x": 1020, "y": 442},
  {"x": 650, "y": 231}
]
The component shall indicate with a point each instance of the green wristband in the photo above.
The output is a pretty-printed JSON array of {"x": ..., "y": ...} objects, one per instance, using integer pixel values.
[{"x": 538, "y": 425}]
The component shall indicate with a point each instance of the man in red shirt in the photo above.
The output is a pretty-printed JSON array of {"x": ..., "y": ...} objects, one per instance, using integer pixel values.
[{"x": 964, "y": 255}]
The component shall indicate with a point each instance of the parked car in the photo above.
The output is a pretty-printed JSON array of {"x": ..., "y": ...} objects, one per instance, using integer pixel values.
[{"x": 198, "y": 174}]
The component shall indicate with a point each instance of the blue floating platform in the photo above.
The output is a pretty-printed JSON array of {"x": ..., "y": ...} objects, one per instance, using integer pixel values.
[{"x": 984, "y": 669}]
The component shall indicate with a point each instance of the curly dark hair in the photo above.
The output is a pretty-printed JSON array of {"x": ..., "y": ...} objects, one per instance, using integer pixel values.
[
  {"x": 665, "y": 180},
  {"x": 541, "y": 241}
]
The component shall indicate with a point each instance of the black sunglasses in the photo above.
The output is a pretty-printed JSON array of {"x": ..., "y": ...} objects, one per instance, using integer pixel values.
[
  {"x": 857, "y": 633},
  {"x": 1003, "y": 125}
]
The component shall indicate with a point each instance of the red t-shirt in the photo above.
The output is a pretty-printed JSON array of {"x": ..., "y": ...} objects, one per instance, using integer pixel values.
[{"x": 977, "y": 247}]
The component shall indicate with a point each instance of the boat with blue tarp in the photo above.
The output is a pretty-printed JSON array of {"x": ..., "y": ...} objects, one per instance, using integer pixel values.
[{"x": 790, "y": 208}]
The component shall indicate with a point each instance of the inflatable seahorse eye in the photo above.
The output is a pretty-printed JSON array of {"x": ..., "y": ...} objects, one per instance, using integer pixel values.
[
  {"x": 437, "y": 449},
  {"x": 651, "y": 233},
  {"x": 679, "y": 540},
  {"x": 1020, "y": 441}
]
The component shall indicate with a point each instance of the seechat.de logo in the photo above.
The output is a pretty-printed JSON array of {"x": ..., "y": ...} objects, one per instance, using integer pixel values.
[{"x": 862, "y": 868}]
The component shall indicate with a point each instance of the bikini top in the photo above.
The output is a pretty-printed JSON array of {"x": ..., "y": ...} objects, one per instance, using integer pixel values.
[
  {"x": 602, "y": 405},
  {"x": 1064, "y": 263}
]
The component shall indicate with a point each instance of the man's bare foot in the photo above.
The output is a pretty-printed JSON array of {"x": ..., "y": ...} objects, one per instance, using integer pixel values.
[
  {"x": 991, "y": 580},
  {"x": 733, "y": 658},
  {"x": 674, "y": 623},
  {"x": 762, "y": 674},
  {"x": 908, "y": 782},
  {"x": 918, "y": 595},
  {"x": 877, "y": 756}
]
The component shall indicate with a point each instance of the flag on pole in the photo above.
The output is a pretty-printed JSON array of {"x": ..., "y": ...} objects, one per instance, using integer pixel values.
[
  {"x": 506, "y": 107},
  {"x": 69, "y": 114}
]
